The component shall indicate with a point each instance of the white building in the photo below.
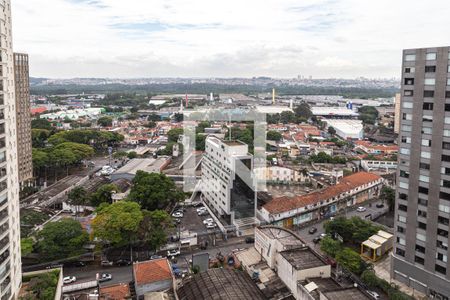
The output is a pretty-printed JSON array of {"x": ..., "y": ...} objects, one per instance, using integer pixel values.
[
  {"x": 279, "y": 174},
  {"x": 228, "y": 187},
  {"x": 10, "y": 261},
  {"x": 333, "y": 111},
  {"x": 74, "y": 114},
  {"x": 347, "y": 129}
]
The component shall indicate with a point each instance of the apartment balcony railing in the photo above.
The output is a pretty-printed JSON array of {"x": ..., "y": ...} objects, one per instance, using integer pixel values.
[
  {"x": 3, "y": 200},
  {"x": 4, "y": 257},
  {"x": 2, "y": 128},
  {"x": 4, "y": 242},
  {"x": 4, "y": 270},
  {"x": 3, "y": 214},
  {"x": 5, "y": 283}
]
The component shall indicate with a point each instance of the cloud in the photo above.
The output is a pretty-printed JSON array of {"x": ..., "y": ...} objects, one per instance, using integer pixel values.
[{"x": 280, "y": 38}]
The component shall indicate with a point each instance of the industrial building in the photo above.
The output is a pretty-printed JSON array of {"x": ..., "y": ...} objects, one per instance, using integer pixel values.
[
  {"x": 149, "y": 165},
  {"x": 333, "y": 112},
  {"x": 346, "y": 129}
]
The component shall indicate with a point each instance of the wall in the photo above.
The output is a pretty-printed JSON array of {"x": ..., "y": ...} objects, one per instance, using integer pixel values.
[{"x": 153, "y": 287}]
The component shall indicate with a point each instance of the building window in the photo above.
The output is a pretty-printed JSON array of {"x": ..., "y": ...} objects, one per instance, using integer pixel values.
[
  {"x": 445, "y": 196},
  {"x": 401, "y": 241},
  {"x": 419, "y": 260},
  {"x": 441, "y": 245},
  {"x": 425, "y": 154},
  {"x": 402, "y": 207},
  {"x": 400, "y": 252},
  {"x": 444, "y": 208},
  {"x": 430, "y": 69},
  {"x": 408, "y": 93},
  {"x": 403, "y": 185},
  {"x": 441, "y": 257},
  {"x": 440, "y": 269},
  {"x": 409, "y": 81},
  {"x": 424, "y": 166},
  {"x": 404, "y": 174},
  {"x": 404, "y": 151},
  {"x": 431, "y": 56},
  {"x": 401, "y": 219},
  {"x": 410, "y": 57},
  {"x": 407, "y": 105},
  {"x": 448, "y": 81},
  {"x": 422, "y": 225},
  {"x": 406, "y": 128},
  {"x": 422, "y": 202},
  {"x": 430, "y": 81},
  {"x": 423, "y": 190},
  {"x": 443, "y": 220},
  {"x": 410, "y": 70},
  {"x": 420, "y": 249},
  {"x": 424, "y": 178},
  {"x": 427, "y": 106},
  {"x": 422, "y": 213},
  {"x": 427, "y": 130},
  {"x": 442, "y": 232},
  {"x": 400, "y": 229},
  {"x": 445, "y": 183},
  {"x": 407, "y": 117},
  {"x": 403, "y": 196},
  {"x": 421, "y": 237},
  {"x": 445, "y": 171},
  {"x": 426, "y": 143},
  {"x": 428, "y": 94},
  {"x": 406, "y": 139},
  {"x": 445, "y": 158},
  {"x": 447, "y": 94}
]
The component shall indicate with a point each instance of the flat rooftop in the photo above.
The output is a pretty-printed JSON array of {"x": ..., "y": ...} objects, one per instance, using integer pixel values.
[
  {"x": 347, "y": 294},
  {"x": 234, "y": 143},
  {"x": 302, "y": 258}
]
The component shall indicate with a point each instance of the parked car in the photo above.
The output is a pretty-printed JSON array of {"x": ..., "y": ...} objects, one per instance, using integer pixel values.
[
  {"x": 203, "y": 213},
  {"x": 322, "y": 235},
  {"x": 105, "y": 277},
  {"x": 173, "y": 252},
  {"x": 123, "y": 262},
  {"x": 106, "y": 263},
  {"x": 76, "y": 264},
  {"x": 379, "y": 205},
  {"x": 197, "y": 204},
  {"x": 250, "y": 240},
  {"x": 69, "y": 279},
  {"x": 177, "y": 214},
  {"x": 312, "y": 230},
  {"x": 209, "y": 220},
  {"x": 361, "y": 209},
  {"x": 155, "y": 257},
  {"x": 373, "y": 294},
  {"x": 317, "y": 239},
  {"x": 330, "y": 261},
  {"x": 211, "y": 225}
]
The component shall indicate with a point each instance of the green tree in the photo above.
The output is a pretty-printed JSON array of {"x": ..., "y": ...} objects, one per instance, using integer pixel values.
[
  {"x": 330, "y": 246},
  {"x": 173, "y": 134},
  {"x": 26, "y": 246},
  {"x": 39, "y": 137},
  {"x": 178, "y": 117},
  {"x": 273, "y": 135},
  {"x": 103, "y": 194},
  {"x": 62, "y": 158},
  {"x": 81, "y": 151},
  {"x": 120, "y": 154},
  {"x": 303, "y": 111},
  {"x": 78, "y": 197},
  {"x": 153, "y": 228},
  {"x": 154, "y": 190},
  {"x": 61, "y": 239},
  {"x": 331, "y": 130},
  {"x": 387, "y": 195},
  {"x": 41, "y": 124},
  {"x": 40, "y": 158},
  {"x": 132, "y": 154},
  {"x": 105, "y": 121},
  {"x": 350, "y": 260},
  {"x": 117, "y": 223},
  {"x": 200, "y": 142},
  {"x": 43, "y": 286},
  {"x": 287, "y": 117}
]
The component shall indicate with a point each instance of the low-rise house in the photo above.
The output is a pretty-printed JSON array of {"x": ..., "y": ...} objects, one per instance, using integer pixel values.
[
  {"x": 277, "y": 174},
  {"x": 118, "y": 291},
  {"x": 351, "y": 190},
  {"x": 372, "y": 148},
  {"x": 152, "y": 276}
]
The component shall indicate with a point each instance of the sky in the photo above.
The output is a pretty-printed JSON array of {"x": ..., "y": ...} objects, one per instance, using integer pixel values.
[{"x": 227, "y": 38}]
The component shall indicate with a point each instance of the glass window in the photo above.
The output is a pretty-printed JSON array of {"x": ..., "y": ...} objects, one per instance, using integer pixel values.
[
  {"x": 448, "y": 69},
  {"x": 426, "y": 143},
  {"x": 401, "y": 241},
  {"x": 427, "y": 130},
  {"x": 446, "y": 132},
  {"x": 404, "y": 151},
  {"x": 430, "y": 69},
  {"x": 410, "y": 70},
  {"x": 404, "y": 185},
  {"x": 409, "y": 81},
  {"x": 407, "y": 105},
  {"x": 427, "y": 118},
  {"x": 421, "y": 237},
  {"x": 410, "y": 57},
  {"x": 424, "y": 178},
  {"x": 430, "y": 81},
  {"x": 408, "y": 93},
  {"x": 401, "y": 219},
  {"x": 406, "y": 128},
  {"x": 407, "y": 117},
  {"x": 407, "y": 139},
  {"x": 447, "y": 120},
  {"x": 425, "y": 154},
  {"x": 448, "y": 81},
  {"x": 431, "y": 56},
  {"x": 429, "y": 94}
]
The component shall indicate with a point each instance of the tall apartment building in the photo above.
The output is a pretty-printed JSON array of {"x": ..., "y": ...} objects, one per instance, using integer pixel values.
[
  {"x": 422, "y": 210},
  {"x": 23, "y": 118},
  {"x": 228, "y": 186}
]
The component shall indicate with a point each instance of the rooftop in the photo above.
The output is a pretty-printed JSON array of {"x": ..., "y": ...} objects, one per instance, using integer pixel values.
[
  {"x": 115, "y": 292},
  {"x": 234, "y": 143},
  {"x": 283, "y": 235},
  {"x": 144, "y": 164},
  {"x": 347, "y": 294},
  {"x": 348, "y": 183},
  {"x": 152, "y": 271},
  {"x": 302, "y": 258}
]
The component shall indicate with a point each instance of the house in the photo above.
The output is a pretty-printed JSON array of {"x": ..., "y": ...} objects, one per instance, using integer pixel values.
[
  {"x": 118, "y": 291},
  {"x": 152, "y": 276}
]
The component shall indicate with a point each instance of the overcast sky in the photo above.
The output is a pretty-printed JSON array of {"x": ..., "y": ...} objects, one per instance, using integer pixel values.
[{"x": 226, "y": 38}]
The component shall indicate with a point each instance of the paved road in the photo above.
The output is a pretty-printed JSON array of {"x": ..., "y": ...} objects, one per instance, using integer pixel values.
[{"x": 373, "y": 210}]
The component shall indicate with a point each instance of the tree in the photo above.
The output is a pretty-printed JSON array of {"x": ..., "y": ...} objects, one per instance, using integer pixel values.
[
  {"x": 62, "y": 158},
  {"x": 117, "y": 223},
  {"x": 303, "y": 111},
  {"x": 387, "y": 195},
  {"x": 173, "y": 134},
  {"x": 41, "y": 124},
  {"x": 81, "y": 151},
  {"x": 61, "y": 239},
  {"x": 287, "y": 117},
  {"x": 200, "y": 142},
  {"x": 26, "y": 246},
  {"x": 103, "y": 194},
  {"x": 354, "y": 230},
  {"x": 178, "y": 117},
  {"x": 154, "y": 190},
  {"x": 105, "y": 121},
  {"x": 350, "y": 260},
  {"x": 153, "y": 228},
  {"x": 120, "y": 154},
  {"x": 331, "y": 130},
  {"x": 40, "y": 158},
  {"x": 39, "y": 137},
  {"x": 273, "y": 135},
  {"x": 368, "y": 114},
  {"x": 43, "y": 286},
  {"x": 78, "y": 197},
  {"x": 330, "y": 246},
  {"x": 132, "y": 154}
]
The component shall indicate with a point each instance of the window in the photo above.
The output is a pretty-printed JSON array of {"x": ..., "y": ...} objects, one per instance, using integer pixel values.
[
  {"x": 402, "y": 196},
  {"x": 404, "y": 174},
  {"x": 448, "y": 69},
  {"x": 442, "y": 232},
  {"x": 448, "y": 81},
  {"x": 400, "y": 229},
  {"x": 429, "y": 94},
  {"x": 422, "y": 213},
  {"x": 427, "y": 106},
  {"x": 445, "y": 171},
  {"x": 430, "y": 81},
  {"x": 426, "y": 143},
  {"x": 407, "y": 139},
  {"x": 410, "y": 70},
  {"x": 404, "y": 151},
  {"x": 407, "y": 117},
  {"x": 447, "y": 107},
  {"x": 408, "y": 93},
  {"x": 445, "y": 145},
  {"x": 427, "y": 130},
  {"x": 431, "y": 56},
  {"x": 406, "y": 128},
  {"x": 421, "y": 237},
  {"x": 401, "y": 241},
  {"x": 424, "y": 178},
  {"x": 402, "y": 207},
  {"x": 422, "y": 202},
  {"x": 410, "y": 57},
  {"x": 409, "y": 81},
  {"x": 419, "y": 260},
  {"x": 425, "y": 154},
  {"x": 445, "y": 183},
  {"x": 440, "y": 269},
  {"x": 407, "y": 105},
  {"x": 430, "y": 69},
  {"x": 445, "y": 196},
  {"x": 420, "y": 249},
  {"x": 442, "y": 245},
  {"x": 401, "y": 219},
  {"x": 441, "y": 257},
  {"x": 447, "y": 94},
  {"x": 403, "y": 185},
  {"x": 400, "y": 252},
  {"x": 423, "y": 190},
  {"x": 444, "y": 208},
  {"x": 424, "y": 166},
  {"x": 443, "y": 220},
  {"x": 422, "y": 225}
]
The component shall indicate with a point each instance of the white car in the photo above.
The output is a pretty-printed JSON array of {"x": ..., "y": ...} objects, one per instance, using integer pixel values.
[
  {"x": 69, "y": 279},
  {"x": 202, "y": 213},
  {"x": 105, "y": 277},
  {"x": 211, "y": 225},
  {"x": 201, "y": 209},
  {"x": 361, "y": 209},
  {"x": 173, "y": 252},
  {"x": 374, "y": 294},
  {"x": 177, "y": 214},
  {"x": 209, "y": 220}
]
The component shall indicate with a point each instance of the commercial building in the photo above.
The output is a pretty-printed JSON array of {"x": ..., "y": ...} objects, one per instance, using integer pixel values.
[
  {"x": 347, "y": 129},
  {"x": 149, "y": 165},
  {"x": 397, "y": 112},
  {"x": 23, "y": 117},
  {"x": 10, "y": 261},
  {"x": 351, "y": 190},
  {"x": 422, "y": 214},
  {"x": 333, "y": 112},
  {"x": 228, "y": 186}
]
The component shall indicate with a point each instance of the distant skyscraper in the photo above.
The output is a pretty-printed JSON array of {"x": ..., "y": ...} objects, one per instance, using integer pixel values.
[
  {"x": 422, "y": 214},
  {"x": 397, "y": 110},
  {"x": 23, "y": 119}
]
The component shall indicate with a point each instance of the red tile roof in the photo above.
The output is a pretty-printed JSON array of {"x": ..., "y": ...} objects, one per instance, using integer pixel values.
[
  {"x": 152, "y": 271},
  {"x": 115, "y": 292},
  {"x": 284, "y": 204},
  {"x": 38, "y": 110}
]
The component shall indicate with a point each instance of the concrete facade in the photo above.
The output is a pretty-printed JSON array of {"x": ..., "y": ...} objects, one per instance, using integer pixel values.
[
  {"x": 10, "y": 261},
  {"x": 422, "y": 213},
  {"x": 23, "y": 117}
]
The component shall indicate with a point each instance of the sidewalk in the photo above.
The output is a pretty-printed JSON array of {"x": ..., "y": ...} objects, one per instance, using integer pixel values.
[{"x": 383, "y": 270}]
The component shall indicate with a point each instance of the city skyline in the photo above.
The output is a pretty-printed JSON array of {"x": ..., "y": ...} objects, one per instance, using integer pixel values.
[{"x": 282, "y": 39}]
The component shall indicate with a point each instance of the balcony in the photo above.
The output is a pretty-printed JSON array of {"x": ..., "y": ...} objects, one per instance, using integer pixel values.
[
  {"x": 4, "y": 257},
  {"x": 4, "y": 243},
  {"x": 3, "y": 214}
]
